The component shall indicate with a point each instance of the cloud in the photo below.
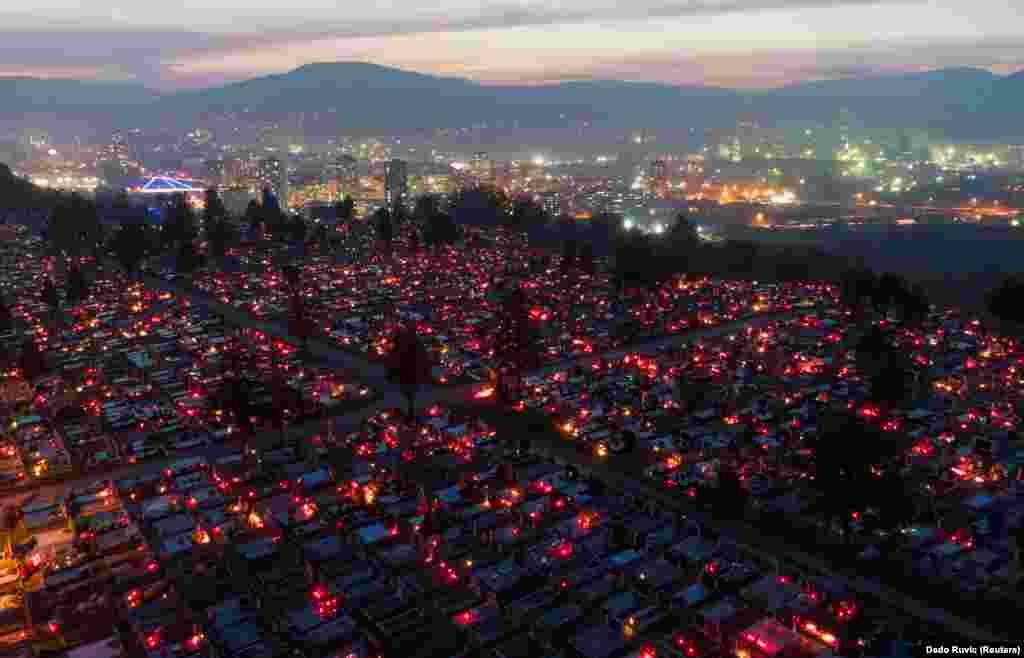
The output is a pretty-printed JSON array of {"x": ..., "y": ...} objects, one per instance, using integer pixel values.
[
  {"x": 168, "y": 56},
  {"x": 172, "y": 59}
]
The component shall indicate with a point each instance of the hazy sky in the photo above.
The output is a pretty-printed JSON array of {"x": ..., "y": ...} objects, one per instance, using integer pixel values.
[{"x": 750, "y": 43}]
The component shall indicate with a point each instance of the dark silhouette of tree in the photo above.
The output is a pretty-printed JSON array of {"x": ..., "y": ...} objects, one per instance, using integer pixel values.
[
  {"x": 586, "y": 258},
  {"x": 6, "y": 317},
  {"x": 441, "y": 230},
  {"x": 683, "y": 238},
  {"x": 894, "y": 499},
  {"x": 298, "y": 230},
  {"x": 890, "y": 289},
  {"x": 570, "y": 249},
  {"x": 282, "y": 399},
  {"x": 20, "y": 194},
  {"x": 855, "y": 286},
  {"x": 410, "y": 364},
  {"x": 516, "y": 340},
  {"x": 385, "y": 229},
  {"x": 1006, "y": 303},
  {"x": 50, "y": 296},
  {"x": 840, "y": 461},
  {"x": 181, "y": 225},
  {"x": 344, "y": 210},
  {"x": 426, "y": 206},
  {"x": 253, "y": 216},
  {"x": 32, "y": 362},
  {"x": 214, "y": 209},
  {"x": 731, "y": 498},
  {"x": 914, "y": 305},
  {"x": 399, "y": 214},
  {"x": 273, "y": 218},
  {"x": 77, "y": 285},
  {"x": 237, "y": 398},
  {"x": 129, "y": 246},
  {"x": 292, "y": 277},
  {"x": 479, "y": 207},
  {"x": 221, "y": 235},
  {"x": 639, "y": 264},
  {"x": 524, "y": 213},
  {"x": 414, "y": 241},
  {"x": 187, "y": 258},
  {"x": 300, "y": 322},
  {"x": 74, "y": 227}
]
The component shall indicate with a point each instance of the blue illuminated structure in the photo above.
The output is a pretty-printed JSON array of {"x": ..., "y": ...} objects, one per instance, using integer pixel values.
[{"x": 167, "y": 185}]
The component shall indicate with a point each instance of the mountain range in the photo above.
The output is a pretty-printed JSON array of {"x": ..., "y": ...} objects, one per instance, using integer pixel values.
[{"x": 959, "y": 103}]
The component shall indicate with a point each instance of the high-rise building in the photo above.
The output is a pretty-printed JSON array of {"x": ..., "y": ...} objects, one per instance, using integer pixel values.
[
  {"x": 552, "y": 203},
  {"x": 661, "y": 180},
  {"x": 215, "y": 172},
  {"x": 345, "y": 172},
  {"x": 481, "y": 169},
  {"x": 396, "y": 182},
  {"x": 273, "y": 173}
]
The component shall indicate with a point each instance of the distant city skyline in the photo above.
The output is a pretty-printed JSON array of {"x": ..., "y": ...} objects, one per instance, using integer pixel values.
[{"x": 749, "y": 44}]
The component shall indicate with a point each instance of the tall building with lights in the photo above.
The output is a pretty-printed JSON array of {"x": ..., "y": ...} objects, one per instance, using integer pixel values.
[
  {"x": 396, "y": 182},
  {"x": 215, "y": 172},
  {"x": 661, "y": 181},
  {"x": 481, "y": 169},
  {"x": 273, "y": 173},
  {"x": 345, "y": 172},
  {"x": 552, "y": 202}
]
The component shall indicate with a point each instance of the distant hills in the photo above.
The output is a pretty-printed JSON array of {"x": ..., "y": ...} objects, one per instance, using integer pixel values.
[{"x": 961, "y": 103}]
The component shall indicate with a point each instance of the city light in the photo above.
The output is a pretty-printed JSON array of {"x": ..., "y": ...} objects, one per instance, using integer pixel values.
[
  {"x": 628, "y": 224},
  {"x": 658, "y": 228}
]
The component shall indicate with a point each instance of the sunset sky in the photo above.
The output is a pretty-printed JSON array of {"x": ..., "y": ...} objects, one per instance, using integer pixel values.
[{"x": 176, "y": 44}]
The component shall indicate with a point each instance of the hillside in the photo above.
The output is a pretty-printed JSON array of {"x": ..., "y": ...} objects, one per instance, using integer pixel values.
[{"x": 962, "y": 103}]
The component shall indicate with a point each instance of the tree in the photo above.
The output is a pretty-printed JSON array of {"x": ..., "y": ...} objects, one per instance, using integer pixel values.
[
  {"x": 272, "y": 216},
  {"x": 479, "y": 207},
  {"x": 1006, "y": 302},
  {"x": 731, "y": 498},
  {"x": 6, "y": 317},
  {"x": 385, "y": 229},
  {"x": 300, "y": 323},
  {"x": 586, "y": 258},
  {"x": 74, "y": 227},
  {"x": 181, "y": 225},
  {"x": 77, "y": 286},
  {"x": 410, "y": 365},
  {"x": 214, "y": 209},
  {"x": 683, "y": 236},
  {"x": 253, "y": 215},
  {"x": 441, "y": 230},
  {"x": 220, "y": 234},
  {"x": 129, "y": 246},
  {"x": 839, "y": 464},
  {"x": 187, "y": 258},
  {"x": 297, "y": 230},
  {"x": 425, "y": 208},
  {"x": 344, "y": 210},
  {"x": 516, "y": 341},
  {"x": 237, "y": 398},
  {"x": 32, "y": 362},
  {"x": 639, "y": 264},
  {"x": 855, "y": 286},
  {"x": 891, "y": 288},
  {"x": 569, "y": 251},
  {"x": 525, "y": 213},
  {"x": 50, "y": 296}
]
